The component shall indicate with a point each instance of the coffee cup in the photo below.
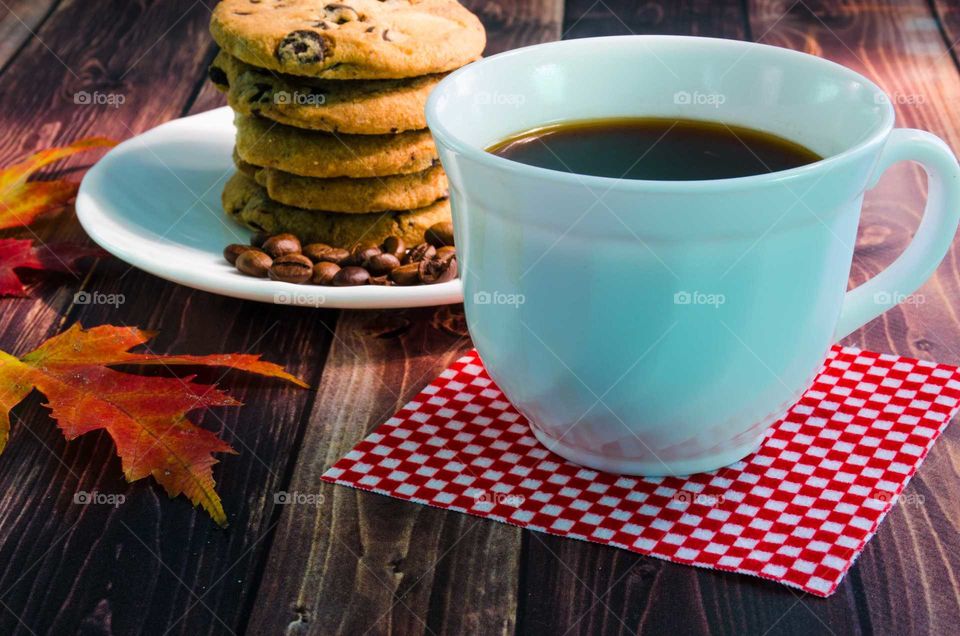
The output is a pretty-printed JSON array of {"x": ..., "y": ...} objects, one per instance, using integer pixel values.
[{"x": 660, "y": 327}]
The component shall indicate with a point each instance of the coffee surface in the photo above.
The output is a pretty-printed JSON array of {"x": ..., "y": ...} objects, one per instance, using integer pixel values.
[{"x": 662, "y": 149}]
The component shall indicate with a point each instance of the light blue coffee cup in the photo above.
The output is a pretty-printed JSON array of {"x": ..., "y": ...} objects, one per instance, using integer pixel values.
[{"x": 660, "y": 327}]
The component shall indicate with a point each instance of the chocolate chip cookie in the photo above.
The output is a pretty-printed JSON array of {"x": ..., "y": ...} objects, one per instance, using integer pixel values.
[
  {"x": 316, "y": 154},
  {"x": 362, "y": 107},
  {"x": 375, "y": 194},
  {"x": 247, "y": 203},
  {"x": 356, "y": 39}
]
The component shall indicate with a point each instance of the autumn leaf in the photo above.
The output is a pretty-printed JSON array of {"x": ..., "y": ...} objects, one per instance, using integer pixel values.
[
  {"x": 23, "y": 254},
  {"x": 22, "y": 201},
  {"x": 145, "y": 415}
]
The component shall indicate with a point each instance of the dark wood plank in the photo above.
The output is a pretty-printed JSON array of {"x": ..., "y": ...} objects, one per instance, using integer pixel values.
[
  {"x": 906, "y": 582},
  {"x": 153, "y": 564},
  {"x": 588, "y": 18},
  {"x": 591, "y": 589},
  {"x": 361, "y": 563},
  {"x": 19, "y": 21}
]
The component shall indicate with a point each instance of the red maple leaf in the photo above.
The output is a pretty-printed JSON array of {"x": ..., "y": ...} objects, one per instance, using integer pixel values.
[
  {"x": 146, "y": 416},
  {"x": 23, "y": 254}
]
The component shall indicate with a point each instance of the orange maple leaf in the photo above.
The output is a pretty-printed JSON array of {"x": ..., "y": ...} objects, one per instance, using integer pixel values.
[
  {"x": 22, "y": 201},
  {"x": 145, "y": 415}
]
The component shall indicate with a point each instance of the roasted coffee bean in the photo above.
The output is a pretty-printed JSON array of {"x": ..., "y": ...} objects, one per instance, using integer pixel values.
[
  {"x": 315, "y": 251},
  {"x": 446, "y": 251},
  {"x": 362, "y": 254},
  {"x": 336, "y": 255},
  {"x": 231, "y": 252},
  {"x": 324, "y": 272},
  {"x": 405, "y": 275},
  {"x": 302, "y": 47},
  {"x": 420, "y": 252},
  {"x": 438, "y": 270},
  {"x": 439, "y": 234},
  {"x": 380, "y": 264},
  {"x": 258, "y": 239},
  {"x": 384, "y": 281},
  {"x": 254, "y": 263},
  {"x": 292, "y": 268},
  {"x": 394, "y": 245},
  {"x": 351, "y": 275},
  {"x": 281, "y": 245}
]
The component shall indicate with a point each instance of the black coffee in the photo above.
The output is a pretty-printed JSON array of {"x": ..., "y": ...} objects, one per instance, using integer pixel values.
[{"x": 662, "y": 149}]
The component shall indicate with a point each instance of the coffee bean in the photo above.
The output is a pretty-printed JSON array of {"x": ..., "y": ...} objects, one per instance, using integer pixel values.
[
  {"x": 420, "y": 252},
  {"x": 438, "y": 270},
  {"x": 281, "y": 245},
  {"x": 254, "y": 263},
  {"x": 315, "y": 251},
  {"x": 362, "y": 254},
  {"x": 324, "y": 272},
  {"x": 351, "y": 275},
  {"x": 292, "y": 268},
  {"x": 439, "y": 234},
  {"x": 231, "y": 252},
  {"x": 405, "y": 275},
  {"x": 302, "y": 47},
  {"x": 336, "y": 255},
  {"x": 394, "y": 245},
  {"x": 258, "y": 239},
  {"x": 383, "y": 281},
  {"x": 446, "y": 251},
  {"x": 380, "y": 264}
]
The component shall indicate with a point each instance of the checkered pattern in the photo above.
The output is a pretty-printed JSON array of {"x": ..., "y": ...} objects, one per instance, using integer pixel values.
[{"x": 798, "y": 511}]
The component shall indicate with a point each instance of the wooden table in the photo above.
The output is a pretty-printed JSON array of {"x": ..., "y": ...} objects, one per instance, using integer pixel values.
[{"x": 360, "y": 563}]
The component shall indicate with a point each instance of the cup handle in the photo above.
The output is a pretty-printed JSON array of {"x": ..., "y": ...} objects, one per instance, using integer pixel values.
[{"x": 932, "y": 240}]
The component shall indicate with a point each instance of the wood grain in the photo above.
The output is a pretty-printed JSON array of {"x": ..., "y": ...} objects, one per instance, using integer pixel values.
[
  {"x": 151, "y": 564},
  {"x": 19, "y": 21},
  {"x": 362, "y": 563}
]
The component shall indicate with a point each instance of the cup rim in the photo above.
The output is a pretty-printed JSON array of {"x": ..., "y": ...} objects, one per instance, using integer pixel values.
[{"x": 443, "y": 134}]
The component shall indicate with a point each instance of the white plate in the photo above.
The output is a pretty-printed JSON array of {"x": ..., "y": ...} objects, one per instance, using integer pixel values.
[{"x": 154, "y": 202}]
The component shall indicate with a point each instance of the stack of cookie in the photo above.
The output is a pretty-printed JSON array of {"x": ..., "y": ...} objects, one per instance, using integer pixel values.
[{"x": 332, "y": 142}]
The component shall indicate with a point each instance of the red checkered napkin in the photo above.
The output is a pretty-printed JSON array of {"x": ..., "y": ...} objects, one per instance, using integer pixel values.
[{"x": 798, "y": 511}]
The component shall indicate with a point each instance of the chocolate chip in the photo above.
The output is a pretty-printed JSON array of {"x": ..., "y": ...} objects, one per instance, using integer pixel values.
[
  {"x": 388, "y": 36},
  {"x": 342, "y": 13},
  {"x": 302, "y": 47},
  {"x": 218, "y": 76}
]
